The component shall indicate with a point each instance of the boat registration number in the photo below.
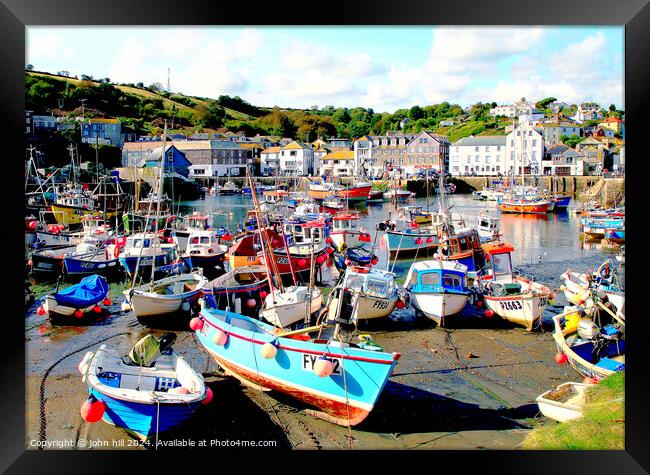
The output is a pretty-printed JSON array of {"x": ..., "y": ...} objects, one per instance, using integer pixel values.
[
  {"x": 44, "y": 265},
  {"x": 282, "y": 260},
  {"x": 308, "y": 362},
  {"x": 381, "y": 304},
  {"x": 514, "y": 305}
]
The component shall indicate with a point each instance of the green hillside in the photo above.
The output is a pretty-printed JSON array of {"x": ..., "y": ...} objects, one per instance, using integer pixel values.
[{"x": 145, "y": 108}]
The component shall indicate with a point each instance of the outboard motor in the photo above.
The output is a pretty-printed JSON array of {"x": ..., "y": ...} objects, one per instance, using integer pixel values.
[{"x": 587, "y": 329}]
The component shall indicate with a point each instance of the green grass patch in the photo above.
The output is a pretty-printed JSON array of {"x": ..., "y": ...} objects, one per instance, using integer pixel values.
[{"x": 602, "y": 426}]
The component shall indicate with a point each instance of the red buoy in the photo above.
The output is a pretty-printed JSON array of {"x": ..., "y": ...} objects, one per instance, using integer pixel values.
[
  {"x": 107, "y": 302},
  {"x": 196, "y": 324},
  {"x": 301, "y": 262},
  {"x": 479, "y": 303},
  {"x": 561, "y": 358},
  {"x": 399, "y": 304},
  {"x": 263, "y": 294},
  {"x": 78, "y": 313},
  {"x": 97, "y": 309},
  {"x": 92, "y": 409},
  {"x": 40, "y": 310},
  {"x": 320, "y": 259},
  {"x": 250, "y": 303},
  {"x": 374, "y": 261},
  {"x": 429, "y": 240},
  {"x": 328, "y": 240},
  {"x": 419, "y": 241},
  {"x": 208, "y": 396},
  {"x": 330, "y": 250},
  {"x": 489, "y": 313}
]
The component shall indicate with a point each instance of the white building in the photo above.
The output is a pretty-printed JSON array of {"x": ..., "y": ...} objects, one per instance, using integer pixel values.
[
  {"x": 363, "y": 156},
  {"x": 297, "y": 159},
  {"x": 270, "y": 161},
  {"x": 526, "y": 143},
  {"x": 521, "y": 107},
  {"x": 484, "y": 155},
  {"x": 587, "y": 111},
  {"x": 339, "y": 163}
]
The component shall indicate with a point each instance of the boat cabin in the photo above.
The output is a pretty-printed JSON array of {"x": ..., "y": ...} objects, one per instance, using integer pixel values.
[
  {"x": 344, "y": 222},
  {"x": 197, "y": 221},
  {"x": 275, "y": 197},
  {"x": 373, "y": 282},
  {"x": 76, "y": 200},
  {"x": 464, "y": 246},
  {"x": 200, "y": 242},
  {"x": 301, "y": 232},
  {"x": 488, "y": 227},
  {"x": 499, "y": 262},
  {"x": 437, "y": 276}
]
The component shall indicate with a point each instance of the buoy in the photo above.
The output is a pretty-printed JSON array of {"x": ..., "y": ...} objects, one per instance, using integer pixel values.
[
  {"x": 347, "y": 261},
  {"x": 489, "y": 313},
  {"x": 178, "y": 390},
  {"x": 185, "y": 306},
  {"x": 561, "y": 358},
  {"x": 328, "y": 240},
  {"x": 196, "y": 323},
  {"x": 551, "y": 301},
  {"x": 92, "y": 409},
  {"x": 220, "y": 338},
  {"x": 590, "y": 381},
  {"x": 302, "y": 262},
  {"x": 126, "y": 307},
  {"x": 30, "y": 263},
  {"x": 78, "y": 313},
  {"x": 250, "y": 303},
  {"x": 107, "y": 302},
  {"x": 330, "y": 250},
  {"x": 399, "y": 304},
  {"x": 263, "y": 294},
  {"x": 323, "y": 367},
  {"x": 479, "y": 303},
  {"x": 268, "y": 350},
  {"x": 97, "y": 309},
  {"x": 40, "y": 310},
  {"x": 320, "y": 259},
  {"x": 208, "y": 396},
  {"x": 429, "y": 240},
  {"x": 419, "y": 241},
  {"x": 375, "y": 260}
]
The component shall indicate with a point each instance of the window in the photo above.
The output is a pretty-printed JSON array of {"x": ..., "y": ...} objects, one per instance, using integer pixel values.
[
  {"x": 194, "y": 240},
  {"x": 487, "y": 159},
  {"x": 534, "y": 142},
  {"x": 501, "y": 264},
  {"x": 431, "y": 278},
  {"x": 376, "y": 287},
  {"x": 487, "y": 148},
  {"x": 476, "y": 149},
  {"x": 451, "y": 281},
  {"x": 477, "y": 158}
]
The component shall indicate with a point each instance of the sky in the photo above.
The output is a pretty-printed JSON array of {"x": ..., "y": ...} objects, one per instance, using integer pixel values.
[{"x": 383, "y": 68}]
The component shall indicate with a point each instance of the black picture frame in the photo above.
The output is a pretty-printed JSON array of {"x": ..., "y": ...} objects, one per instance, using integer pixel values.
[{"x": 16, "y": 14}]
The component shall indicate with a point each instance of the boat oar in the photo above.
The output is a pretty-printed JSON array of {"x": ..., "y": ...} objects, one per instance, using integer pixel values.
[{"x": 302, "y": 330}]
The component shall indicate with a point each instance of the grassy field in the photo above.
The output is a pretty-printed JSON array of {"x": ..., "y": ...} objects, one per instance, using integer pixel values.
[{"x": 602, "y": 426}]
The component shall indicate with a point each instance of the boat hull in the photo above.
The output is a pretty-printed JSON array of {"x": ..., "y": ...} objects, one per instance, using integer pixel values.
[
  {"x": 283, "y": 314},
  {"x": 404, "y": 243},
  {"x": 81, "y": 267},
  {"x": 439, "y": 306},
  {"x": 345, "y": 397},
  {"x": 524, "y": 208},
  {"x": 129, "y": 263},
  {"x": 522, "y": 309}
]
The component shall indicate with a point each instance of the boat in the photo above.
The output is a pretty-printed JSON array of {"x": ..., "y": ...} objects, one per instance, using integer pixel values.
[
  {"x": 596, "y": 227},
  {"x": 438, "y": 289},
  {"x": 421, "y": 240},
  {"x": 169, "y": 296},
  {"x": 74, "y": 303},
  {"x": 186, "y": 225},
  {"x": 142, "y": 250},
  {"x": 479, "y": 195},
  {"x": 275, "y": 197},
  {"x": 339, "y": 379},
  {"x": 91, "y": 258},
  {"x": 47, "y": 264},
  {"x": 344, "y": 230},
  {"x": 371, "y": 291},
  {"x": 376, "y": 196},
  {"x": 358, "y": 256},
  {"x": 291, "y": 304},
  {"x": 397, "y": 195},
  {"x": 594, "y": 351},
  {"x": 237, "y": 287},
  {"x": 577, "y": 286},
  {"x": 204, "y": 251},
  {"x": 563, "y": 403},
  {"x": 513, "y": 297},
  {"x": 615, "y": 235},
  {"x": 333, "y": 204},
  {"x": 487, "y": 227},
  {"x": 228, "y": 188},
  {"x": 523, "y": 206},
  {"x": 356, "y": 192},
  {"x": 143, "y": 400}
]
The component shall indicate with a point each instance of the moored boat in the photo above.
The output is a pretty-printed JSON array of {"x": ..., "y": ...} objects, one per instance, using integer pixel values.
[
  {"x": 563, "y": 403},
  {"x": 74, "y": 303}
]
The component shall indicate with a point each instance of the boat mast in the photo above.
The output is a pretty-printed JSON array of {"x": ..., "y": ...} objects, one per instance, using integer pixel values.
[{"x": 160, "y": 186}]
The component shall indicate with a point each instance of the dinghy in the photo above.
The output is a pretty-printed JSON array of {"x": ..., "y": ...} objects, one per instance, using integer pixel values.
[
  {"x": 563, "y": 403},
  {"x": 142, "y": 400},
  {"x": 340, "y": 379},
  {"x": 438, "y": 288},
  {"x": 77, "y": 301},
  {"x": 167, "y": 296},
  {"x": 577, "y": 286},
  {"x": 237, "y": 287},
  {"x": 293, "y": 304}
]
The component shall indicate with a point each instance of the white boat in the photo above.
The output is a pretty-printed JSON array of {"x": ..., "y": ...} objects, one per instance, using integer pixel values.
[
  {"x": 438, "y": 288},
  {"x": 166, "y": 296},
  {"x": 514, "y": 298},
  {"x": 294, "y": 304},
  {"x": 576, "y": 286},
  {"x": 563, "y": 403},
  {"x": 344, "y": 230},
  {"x": 397, "y": 195},
  {"x": 204, "y": 251},
  {"x": 228, "y": 188},
  {"x": 373, "y": 292},
  {"x": 487, "y": 227},
  {"x": 142, "y": 250}
]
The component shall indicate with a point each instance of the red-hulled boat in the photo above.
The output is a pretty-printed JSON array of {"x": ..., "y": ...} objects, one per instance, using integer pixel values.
[
  {"x": 355, "y": 192},
  {"x": 524, "y": 206}
]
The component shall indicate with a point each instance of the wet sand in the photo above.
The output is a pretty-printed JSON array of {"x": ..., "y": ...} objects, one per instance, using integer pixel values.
[{"x": 470, "y": 386}]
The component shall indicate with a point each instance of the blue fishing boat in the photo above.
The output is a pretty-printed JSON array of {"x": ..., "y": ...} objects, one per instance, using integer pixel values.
[
  {"x": 438, "y": 288},
  {"x": 147, "y": 248},
  {"x": 78, "y": 300},
  {"x": 615, "y": 235},
  {"x": 358, "y": 256},
  {"x": 596, "y": 227},
  {"x": 141, "y": 397},
  {"x": 341, "y": 380},
  {"x": 424, "y": 241},
  {"x": 561, "y": 202}
]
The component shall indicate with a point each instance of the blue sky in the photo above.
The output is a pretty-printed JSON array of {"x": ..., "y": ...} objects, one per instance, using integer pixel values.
[{"x": 384, "y": 68}]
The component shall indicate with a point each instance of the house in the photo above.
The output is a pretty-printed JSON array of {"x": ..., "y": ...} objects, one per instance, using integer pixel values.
[
  {"x": 557, "y": 106},
  {"x": 129, "y": 134},
  {"x": 561, "y": 160},
  {"x": 594, "y": 152},
  {"x": 270, "y": 161},
  {"x": 587, "y": 111},
  {"x": 483, "y": 155},
  {"x": 297, "y": 159},
  {"x": 389, "y": 152},
  {"x": 521, "y": 107},
  {"x": 553, "y": 131},
  {"x": 102, "y": 131},
  {"x": 524, "y": 144},
  {"x": 447, "y": 123},
  {"x": 229, "y": 158},
  {"x": 427, "y": 150},
  {"x": 339, "y": 163},
  {"x": 615, "y": 124},
  {"x": 134, "y": 152},
  {"x": 602, "y": 132},
  {"x": 175, "y": 160},
  {"x": 252, "y": 151},
  {"x": 319, "y": 152},
  {"x": 363, "y": 157},
  {"x": 340, "y": 144}
]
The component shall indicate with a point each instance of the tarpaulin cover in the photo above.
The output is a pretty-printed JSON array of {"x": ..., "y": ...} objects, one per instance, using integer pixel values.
[{"x": 90, "y": 290}]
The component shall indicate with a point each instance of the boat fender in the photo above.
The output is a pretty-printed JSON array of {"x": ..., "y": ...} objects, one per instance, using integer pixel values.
[
  {"x": 323, "y": 367},
  {"x": 269, "y": 350},
  {"x": 84, "y": 363},
  {"x": 208, "y": 396},
  {"x": 220, "y": 338},
  {"x": 92, "y": 409},
  {"x": 116, "y": 251}
]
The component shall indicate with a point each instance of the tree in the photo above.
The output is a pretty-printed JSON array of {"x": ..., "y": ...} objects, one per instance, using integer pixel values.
[
  {"x": 85, "y": 77},
  {"x": 64, "y": 74},
  {"x": 571, "y": 141},
  {"x": 140, "y": 85},
  {"x": 612, "y": 108},
  {"x": 209, "y": 115},
  {"x": 543, "y": 104},
  {"x": 416, "y": 113},
  {"x": 341, "y": 115}
]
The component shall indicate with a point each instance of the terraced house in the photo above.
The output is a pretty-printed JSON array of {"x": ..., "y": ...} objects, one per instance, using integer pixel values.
[
  {"x": 297, "y": 159},
  {"x": 427, "y": 151},
  {"x": 483, "y": 155},
  {"x": 382, "y": 153}
]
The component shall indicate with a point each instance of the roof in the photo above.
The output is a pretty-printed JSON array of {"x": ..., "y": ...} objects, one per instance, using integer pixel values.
[
  {"x": 557, "y": 148},
  {"x": 438, "y": 264},
  {"x": 103, "y": 121},
  {"x": 613, "y": 119},
  {"x": 296, "y": 145},
  {"x": 251, "y": 145},
  {"x": 482, "y": 140},
  {"x": 272, "y": 150},
  {"x": 498, "y": 248},
  {"x": 339, "y": 155}
]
